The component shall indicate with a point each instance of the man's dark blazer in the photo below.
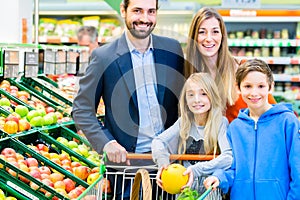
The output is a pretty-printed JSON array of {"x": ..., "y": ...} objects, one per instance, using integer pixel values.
[{"x": 110, "y": 76}]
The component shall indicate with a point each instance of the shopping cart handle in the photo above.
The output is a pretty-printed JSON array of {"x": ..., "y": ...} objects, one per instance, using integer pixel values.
[{"x": 135, "y": 156}]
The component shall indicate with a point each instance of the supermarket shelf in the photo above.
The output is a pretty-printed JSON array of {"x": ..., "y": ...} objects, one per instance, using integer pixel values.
[
  {"x": 276, "y": 60},
  {"x": 264, "y": 42}
]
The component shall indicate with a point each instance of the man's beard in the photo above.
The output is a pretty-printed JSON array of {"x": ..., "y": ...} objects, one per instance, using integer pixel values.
[{"x": 140, "y": 34}]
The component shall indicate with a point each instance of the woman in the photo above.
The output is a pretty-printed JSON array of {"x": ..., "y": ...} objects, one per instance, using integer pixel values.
[{"x": 208, "y": 51}]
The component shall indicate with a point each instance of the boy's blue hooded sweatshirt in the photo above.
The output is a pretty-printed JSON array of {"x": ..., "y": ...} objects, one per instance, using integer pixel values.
[{"x": 266, "y": 156}]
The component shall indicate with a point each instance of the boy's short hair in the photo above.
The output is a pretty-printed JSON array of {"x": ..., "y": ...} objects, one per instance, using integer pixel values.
[{"x": 253, "y": 65}]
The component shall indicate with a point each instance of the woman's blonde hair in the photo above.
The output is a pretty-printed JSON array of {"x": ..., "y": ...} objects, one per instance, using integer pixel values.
[
  {"x": 214, "y": 117},
  {"x": 226, "y": 64}
]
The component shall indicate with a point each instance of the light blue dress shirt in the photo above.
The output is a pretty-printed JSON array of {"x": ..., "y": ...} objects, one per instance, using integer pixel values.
[{"x": 146, "y": 89}]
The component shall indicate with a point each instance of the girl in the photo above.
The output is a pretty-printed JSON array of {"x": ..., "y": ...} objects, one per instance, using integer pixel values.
[{"x": 201, "y": 129}]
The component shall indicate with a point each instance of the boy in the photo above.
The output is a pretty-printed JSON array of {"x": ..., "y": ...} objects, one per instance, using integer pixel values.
[{"x": 265, "y": 142}]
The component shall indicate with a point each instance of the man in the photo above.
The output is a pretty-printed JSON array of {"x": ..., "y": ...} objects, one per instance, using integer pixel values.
[
  {"x": 139, "y": 76},
  {"x": 88, "y": 36}
]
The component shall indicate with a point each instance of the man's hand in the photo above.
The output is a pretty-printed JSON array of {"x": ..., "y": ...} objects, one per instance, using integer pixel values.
[{"x": 116, "y": 153}]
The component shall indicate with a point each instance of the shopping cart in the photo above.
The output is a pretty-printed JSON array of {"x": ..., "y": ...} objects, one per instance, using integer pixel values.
[
  {"x": 141, "y": 180},
  {"x": 94, "y": 191}
]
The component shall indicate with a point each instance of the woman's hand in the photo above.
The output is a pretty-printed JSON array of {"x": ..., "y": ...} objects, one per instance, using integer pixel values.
[
  {"x": 158, "y": 175},
  {"x": 211, "y": 181}
]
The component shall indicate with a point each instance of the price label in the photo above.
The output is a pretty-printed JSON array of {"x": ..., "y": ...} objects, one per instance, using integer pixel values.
[{"x": 241, "y": 3}]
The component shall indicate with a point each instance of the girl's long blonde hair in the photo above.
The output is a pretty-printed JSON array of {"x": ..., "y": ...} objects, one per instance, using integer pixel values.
[
  {"x": 226, "y": 64},
  {"x": 214, "y": 117}
]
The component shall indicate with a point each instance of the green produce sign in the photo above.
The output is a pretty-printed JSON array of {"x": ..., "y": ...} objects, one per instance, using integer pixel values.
[{"x": 115, "y": 4}]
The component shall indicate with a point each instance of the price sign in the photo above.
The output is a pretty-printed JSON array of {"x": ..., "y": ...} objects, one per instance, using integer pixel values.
[{"x": 241, "y": 3}]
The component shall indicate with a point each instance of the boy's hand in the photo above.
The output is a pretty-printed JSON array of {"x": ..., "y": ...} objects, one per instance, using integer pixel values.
[{"x": 211, "y": 181}]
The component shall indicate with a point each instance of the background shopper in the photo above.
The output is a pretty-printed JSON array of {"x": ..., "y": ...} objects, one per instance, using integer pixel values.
[
  {"x": 265, "y": 142},
  {"x": 88, "y": 36},
  {"x": 201, "y": 129},
  {"x": 208, "y": 51}
]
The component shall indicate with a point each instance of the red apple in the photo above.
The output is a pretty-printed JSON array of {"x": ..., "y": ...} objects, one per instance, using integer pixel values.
[
  {"x": 36, "y": 174},
  {"x": 31, "y": 162},
  {"x": 75, "y": 164},
  {"x": 66, "y": 162},
  {"x": 68, "y": 168},
  {"x": 12, "y": 117},
  {"x": 45, "y": 170},
  {"x": 49, "y": 109},
  {"x": 56, "y": 176},
  {"x": 70, "y": 184},
  {"x": 81, "y": 172},
  {"x": 45, "y": 176},
  {"x": 9, "y": 152},
  {"x": 42, "y": 147}
]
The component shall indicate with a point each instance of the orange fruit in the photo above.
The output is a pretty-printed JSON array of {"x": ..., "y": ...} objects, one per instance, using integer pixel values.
[{"x": 173, "y": 179}]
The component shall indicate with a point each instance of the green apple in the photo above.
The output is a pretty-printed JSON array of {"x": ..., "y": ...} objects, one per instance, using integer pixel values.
[
  {"x": 22, "y": 110},
  {"x": 4, "y": 102},
  {"x": 53, "y": 115},
  {"x": 63, "y": 141},
  {"x": 31, "y": 114},
  {"x": 72, "y": 144},
  {"x": 37, "y": 121},
  {"x": 83, "y": 150},
  {"x": 42, "y": 112},
  {"x": 77, "y": 150},
  {"x": 48, "y": 120}
]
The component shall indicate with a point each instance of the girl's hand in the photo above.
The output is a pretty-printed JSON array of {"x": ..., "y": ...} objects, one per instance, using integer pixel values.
[
  {"x": 158, "y": 175},
  {"x": 211, "y": 181},
  {"x": 190, "y": 174}
]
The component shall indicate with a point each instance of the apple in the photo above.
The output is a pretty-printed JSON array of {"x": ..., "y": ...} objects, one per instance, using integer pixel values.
[
  {"x": 70, "y": 184},
  {"x": 41, "y": 111},
  {"x": 32, "y": 162},
  {"x": 13, "y": 117},
  {"x": 23, "y": 93},
  {"x": 68, "y": 168},
  {"x": 81, "y": 172},
  {"x": 92, "y": 178},
  {"x": 54, "y": 155},
  {"x": 62, "y": 140},
  {"x": 37, "y": 121},
  {"x": 73, "y": 194},
  {"x": 56, "y": 176},
  {"x": 4, "y": 102},
  {"x": 72, "y": 144},
  {"x": 11, "y": 198},
  {"x": 22, "y": 162},
  {"x": 58, "y": 115},
  {"x": 21, "y": 110},
  {"x": 45, "y": 176},
  {"x": 31, "y": 114},
  {"x": 48, "y": 120},
  {"x": 45, "y": 154},
  {"x": 83, "y": 149},
  {"x": 2, "y": 195},
  {"x": 47, "y": 182},
  {"x": 56, "y": 160},
  {"x": 9, "y": 152},
  {"x": 11, "y": 127},
  {"x": 42, "y": 147},
  {"x": 24, "y": 99},
  {"x": 36, "y": 174},
  {"x": 60, "y": 184},
  {"x": 64, "y": 156},
  {"x": 45, "y": 170},
  {"x": 75, "y": 164},
  {"x": 24, "y": 125},
  {"x": 53, "y": 115},
  {"x": 49, "y": 109}
]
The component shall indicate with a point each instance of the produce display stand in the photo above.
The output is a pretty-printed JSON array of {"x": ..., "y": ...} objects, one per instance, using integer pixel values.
[
  {"x": 40, "y": 96},
  {"x": 48, "y": 91},
  {"x": 14, "y": 181},
  {"x": 57, "y": 147},
  {"x": 9, "y": 191}
]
